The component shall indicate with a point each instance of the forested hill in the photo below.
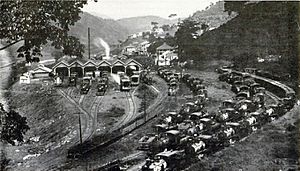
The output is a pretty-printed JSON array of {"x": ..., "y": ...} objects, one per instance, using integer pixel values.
[
  {"x": 260, "y": 29},
  {"x": 214, "y": 15},
  {"x": 107, "y": 29}
]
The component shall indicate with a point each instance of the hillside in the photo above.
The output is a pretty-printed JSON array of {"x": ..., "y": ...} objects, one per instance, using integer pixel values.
[
  {"x": 107, "y": 29},
  {"x": 260, "y": 29},
  {"x": 213, "y": 15},
  {"x": 143, "y": 23}
]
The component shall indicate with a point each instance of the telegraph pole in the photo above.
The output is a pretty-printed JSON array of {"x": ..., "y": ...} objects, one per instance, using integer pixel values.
[
  {"x": 80, "y": 134},
  {"x": 145, "y": 106},
  {"x": 89, "y": 44}
]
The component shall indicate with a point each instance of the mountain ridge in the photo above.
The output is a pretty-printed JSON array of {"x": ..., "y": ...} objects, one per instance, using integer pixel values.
[{"x": 143, "y": 23}]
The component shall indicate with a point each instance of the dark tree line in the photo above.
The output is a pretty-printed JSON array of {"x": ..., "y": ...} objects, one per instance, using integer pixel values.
[{"x": 37, "y": 22}]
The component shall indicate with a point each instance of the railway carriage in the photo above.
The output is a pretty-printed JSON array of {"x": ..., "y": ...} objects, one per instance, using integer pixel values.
[
  {"x": 125, "y": 83},
  {"x": 147, "y": 142},
  {"x": 135, "y": 80}
]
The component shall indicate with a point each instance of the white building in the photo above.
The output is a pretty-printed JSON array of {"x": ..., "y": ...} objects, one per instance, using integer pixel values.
[
  {"x": 165, "y": 58},
  {"x": 143, "y": 47}
]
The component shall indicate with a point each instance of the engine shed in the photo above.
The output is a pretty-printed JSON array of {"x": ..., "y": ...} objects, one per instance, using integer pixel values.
[{"x": 67, "y": 65}]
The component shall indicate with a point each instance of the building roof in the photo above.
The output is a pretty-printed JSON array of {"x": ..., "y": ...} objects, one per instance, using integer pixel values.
[
  {"x": 164, "y": 47},
  {"x": 68, "y": 62},
  {"x": 41, "y": 69}
]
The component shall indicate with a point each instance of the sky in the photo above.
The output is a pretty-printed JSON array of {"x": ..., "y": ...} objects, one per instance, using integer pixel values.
[{"x": 117, "y": 9}]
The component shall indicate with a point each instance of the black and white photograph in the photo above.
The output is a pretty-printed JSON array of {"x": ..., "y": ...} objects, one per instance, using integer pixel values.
[{"x": 149, "y": 85}]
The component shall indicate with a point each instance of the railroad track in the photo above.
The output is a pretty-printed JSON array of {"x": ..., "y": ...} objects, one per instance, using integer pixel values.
[
  {"x": 130, "y": 114},
  {"x": 154, "y": 110},
  {"x": 87, "y": 114},
  {"x": 94, "y": 112}
]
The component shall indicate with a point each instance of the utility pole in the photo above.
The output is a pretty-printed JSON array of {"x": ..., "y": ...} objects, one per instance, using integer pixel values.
[
  {"x": 145, "y": 114},
  {"x": 80, "y": 134},
  {"x": 89, "y": 44}
]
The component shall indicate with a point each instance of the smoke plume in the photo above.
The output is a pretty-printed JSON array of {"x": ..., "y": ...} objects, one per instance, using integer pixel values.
[{"x": 100, "y": 42}]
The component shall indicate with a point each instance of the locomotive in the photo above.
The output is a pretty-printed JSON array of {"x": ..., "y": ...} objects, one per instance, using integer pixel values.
[
  {"x": 102, "y": 86},
  {"x": 85, "y": 85}
]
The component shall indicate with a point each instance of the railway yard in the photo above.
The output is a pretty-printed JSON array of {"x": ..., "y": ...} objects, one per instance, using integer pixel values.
[
  {"x": 194, "y": 119},
  {"x": 149, "y": 86}
]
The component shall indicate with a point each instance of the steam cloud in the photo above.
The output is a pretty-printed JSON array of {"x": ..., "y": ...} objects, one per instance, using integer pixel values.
[{"x": 100, "y": 42}]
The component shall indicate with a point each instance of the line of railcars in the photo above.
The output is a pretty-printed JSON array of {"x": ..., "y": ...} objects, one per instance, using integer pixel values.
[{"x": 192, "y": 132}]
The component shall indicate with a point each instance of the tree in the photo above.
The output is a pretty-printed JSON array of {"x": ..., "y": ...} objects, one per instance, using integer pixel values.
[
  {"x": 186, "y": 38},
  {"x": 152, "y": 48},
  {"x": 166, "y": 27},
  {"x": 14, "y": 126},
  {"x": 38, "y": 22},
  {"x": 204, "y": 27},
  {"x": 154, "y": 23},
  {"x": 234, "y": 6}
]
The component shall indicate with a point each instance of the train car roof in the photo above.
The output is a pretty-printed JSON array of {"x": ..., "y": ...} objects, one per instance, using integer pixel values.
[
  {"x": 172, "y": 113},
  {"x": 232, "y": 123},
  {"x": 174, "y": 132},
  {"x": 205, "y": 119},
  {"x": 190, "y": 103},
  {"x": 161, "y": 125},
  {"x": 244, "y": 86},
  {"x": 196, "y": 113},
  {"x": 254, "y": 113},
  {"x": 244, "y": 101},
  {"x": 228, "y": 109},
  {"x": 229, "y": 101},
  {"x": 255, "y": 84},
  {"x": 205, "y": 136},
  {"x": 169, "y": 153}
]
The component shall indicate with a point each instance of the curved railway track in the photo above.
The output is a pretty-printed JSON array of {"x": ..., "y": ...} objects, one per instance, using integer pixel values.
[
  {"x": 94, "y": 112},
  {"x": 287, "y": 90},
  {"x": 130, "y": 114}
]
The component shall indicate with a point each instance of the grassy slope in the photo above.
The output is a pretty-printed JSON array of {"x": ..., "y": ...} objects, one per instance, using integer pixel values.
[{"x": 49, "y": 116}]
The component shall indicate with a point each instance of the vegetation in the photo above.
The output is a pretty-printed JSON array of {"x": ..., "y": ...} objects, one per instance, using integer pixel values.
[
  {"x": 259, "y": 30},
  {"x": 14, "y": 126},
  {"x": 185, "y": 39},
  {"x": 38, "y": 22},
  {"x": 116, "y": 112},
  {"x": 157, "y": 41},
  {"x": 147, "y": 96}
]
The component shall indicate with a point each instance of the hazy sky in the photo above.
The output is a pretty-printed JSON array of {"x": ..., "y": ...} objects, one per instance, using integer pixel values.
[{"x": 130, "y": 8}]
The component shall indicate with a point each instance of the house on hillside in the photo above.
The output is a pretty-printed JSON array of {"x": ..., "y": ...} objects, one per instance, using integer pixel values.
[
  {"x": 132, "y": 36},
  {"x": 129, "y": 50},
  {"x": 164, "y": 55},
  {"x": 143, "y": 48},
  {"x": 40, "y": 72},
  {"x": 25, "y": 78}
]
